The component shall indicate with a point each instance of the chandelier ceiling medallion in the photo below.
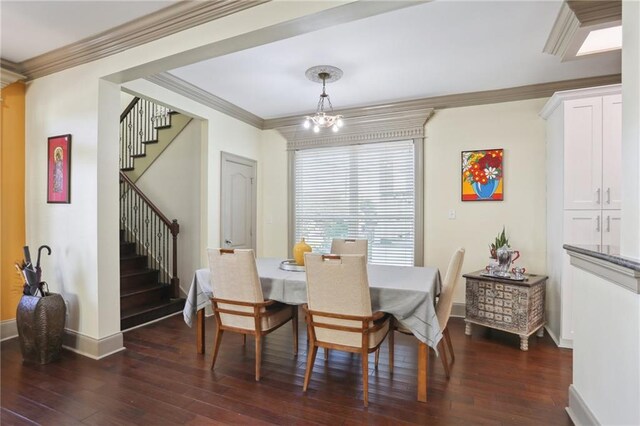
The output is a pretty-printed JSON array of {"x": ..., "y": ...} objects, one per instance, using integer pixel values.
[{"x": 323, "y": 74}]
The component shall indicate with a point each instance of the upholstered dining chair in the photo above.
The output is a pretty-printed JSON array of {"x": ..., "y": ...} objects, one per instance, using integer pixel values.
[
  {"x": 443, "y": 308},
  {"x": 338, "y": 312},
  {"x": 350, "y": 246},
  {"x": 238, "y": 303}
]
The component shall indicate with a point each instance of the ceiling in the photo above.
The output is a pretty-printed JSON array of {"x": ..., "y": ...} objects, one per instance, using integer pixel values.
[
  {"x": 31, "y": 28},
  {"x": 429, "y": 49}
]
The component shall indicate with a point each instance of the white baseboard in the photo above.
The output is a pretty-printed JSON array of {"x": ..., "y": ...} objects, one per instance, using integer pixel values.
[
  {"x": 8, "y": 329},
  {"x": 561, "y": 343},
  {"x": 579, "y": 411},
  {"x": 458, "y": 310},
  {"x": 90, "y": 347}
]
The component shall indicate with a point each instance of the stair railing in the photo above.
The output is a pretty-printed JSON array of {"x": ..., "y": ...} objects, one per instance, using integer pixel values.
[
  {"x": 155, "y": 236},
  {"x": 139, "y": 124}
]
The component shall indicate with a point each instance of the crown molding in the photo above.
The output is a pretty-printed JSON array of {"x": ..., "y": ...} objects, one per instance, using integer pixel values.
[
  {"x": 532, "y": 91},
  {"x": 170, "y": 20},
  {"x": 7, "y": 76},
  {"x": 562, "y": 32},
  {"x": 559, "y": 97},
  {"x": 596, "y": 12},
  {"x": 181, "y": 87},
  {"x": 374, "y": 127}
]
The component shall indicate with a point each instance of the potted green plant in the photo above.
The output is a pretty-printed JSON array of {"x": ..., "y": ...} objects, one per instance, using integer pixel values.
[{"x": 500, "y": 241}]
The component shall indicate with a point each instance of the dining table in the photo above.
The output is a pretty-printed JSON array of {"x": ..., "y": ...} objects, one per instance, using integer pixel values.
[{"x": 406, "y": 292}]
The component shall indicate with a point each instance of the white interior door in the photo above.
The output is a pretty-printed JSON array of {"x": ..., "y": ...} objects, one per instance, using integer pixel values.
[{"x": 238, "y": 202}]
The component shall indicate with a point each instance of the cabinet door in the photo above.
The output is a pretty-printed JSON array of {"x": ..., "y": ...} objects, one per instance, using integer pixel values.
[
  {"x": 583, "y": 154},
  {"x": 611, "y": 227},
  {"x": 611, "y": 151},
  {"x": 582, "y": 227}
]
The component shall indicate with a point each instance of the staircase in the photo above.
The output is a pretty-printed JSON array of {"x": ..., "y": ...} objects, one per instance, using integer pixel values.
[
  {"x": 149, "y": 285},
  {"x": 143, "y": 297}
]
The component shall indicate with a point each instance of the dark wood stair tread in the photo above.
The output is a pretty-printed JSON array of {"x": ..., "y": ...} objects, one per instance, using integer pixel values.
[
  {"x": 134, "y": 291},
  {"x": 138, "y": 272},
  {"x": 132, "y": 256},
  {"x": 143, "y": 314}
]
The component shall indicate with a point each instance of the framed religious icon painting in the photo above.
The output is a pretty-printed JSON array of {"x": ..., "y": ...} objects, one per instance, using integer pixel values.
[
  {"x": 482, "y": 175},
  {"x": 59, "y": 169}
]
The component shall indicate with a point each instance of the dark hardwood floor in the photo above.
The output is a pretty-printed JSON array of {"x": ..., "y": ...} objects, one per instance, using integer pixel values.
[{"x": 160, "y": 380}]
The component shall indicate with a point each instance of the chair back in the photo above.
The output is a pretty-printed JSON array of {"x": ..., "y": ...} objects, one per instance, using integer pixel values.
[
  {"x": 234, "y": 276},
  {"x": 338, "y": 284},
  {"x": 445, "y": 301},
  {"x": 350, "y": 246}
]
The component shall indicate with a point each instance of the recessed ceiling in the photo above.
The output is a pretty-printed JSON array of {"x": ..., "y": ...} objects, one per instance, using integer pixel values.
[
  {"x": 431, "y": 49},
  {"x": 30, "y": 28}
]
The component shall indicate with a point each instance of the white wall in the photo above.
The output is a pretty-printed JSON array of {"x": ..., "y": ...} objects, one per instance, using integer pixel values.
[
  {"x": 172, "y": 183},
  {"x": 80, "y": 101},
  {"x": 273, "y": 239},
  {"x": 516, "y": 127},
  {"x": 220, "y": 133},
  {"x": 630, "y": 232},
  {"x": 606, "y": 348}
]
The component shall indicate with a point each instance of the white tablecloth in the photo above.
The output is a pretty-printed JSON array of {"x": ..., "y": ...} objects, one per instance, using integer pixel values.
[{"x": 408, "y": 293}]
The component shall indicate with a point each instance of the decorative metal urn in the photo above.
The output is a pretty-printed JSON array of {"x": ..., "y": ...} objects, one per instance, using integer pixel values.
[{"x": 40, "y": 322}]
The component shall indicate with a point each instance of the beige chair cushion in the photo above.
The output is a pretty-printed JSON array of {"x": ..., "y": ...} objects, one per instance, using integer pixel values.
[
  {"x": 340, "y": 286},
  {"x": 280, "y": 313},
  {"x": 349, "y": 246},
  {"x": 348, "y": 338}
]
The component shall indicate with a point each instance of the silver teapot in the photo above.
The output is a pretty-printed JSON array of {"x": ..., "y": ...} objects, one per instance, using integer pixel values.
[{"x": 505, "y": 255}]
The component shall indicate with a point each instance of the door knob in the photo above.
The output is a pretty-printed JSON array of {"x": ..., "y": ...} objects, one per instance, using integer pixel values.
[{"x": 228, "y": 242}]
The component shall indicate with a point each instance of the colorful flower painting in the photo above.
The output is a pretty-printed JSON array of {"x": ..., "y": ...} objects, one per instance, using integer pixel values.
[{"x": 482, "y": 178}]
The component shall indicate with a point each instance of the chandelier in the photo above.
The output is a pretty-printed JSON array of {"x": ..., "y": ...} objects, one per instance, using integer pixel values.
[{"x": 323, "y": 74}]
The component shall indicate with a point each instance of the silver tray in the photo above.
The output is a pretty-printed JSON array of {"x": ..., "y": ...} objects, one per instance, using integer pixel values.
[
  {"x": 291, "y": 265},
  {"x": 504, "y": 277}
]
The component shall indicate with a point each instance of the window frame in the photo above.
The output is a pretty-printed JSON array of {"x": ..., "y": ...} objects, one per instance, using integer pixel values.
[{"x": 418, "y": 147}]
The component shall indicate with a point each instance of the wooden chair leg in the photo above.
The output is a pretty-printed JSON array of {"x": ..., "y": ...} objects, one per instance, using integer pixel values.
[
  {"x": 216, "y": 344},
  {"x": 244, "y": 340},
  {"x": 448, "y": 339},
  {"x": 365, "y": 376},
  {"x": 443, "y": 357},
  {"x": 326, "y": 354},
  {"x": 377, "y": 357},
  {"x": 294, "y": 321},
  {"x": 258, "y": 355},
  {"x": 391, "y": 350},
  {"x": 311, "y": 359}
]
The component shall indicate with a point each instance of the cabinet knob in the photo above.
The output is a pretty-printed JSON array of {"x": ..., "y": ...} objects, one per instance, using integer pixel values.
[
  {"x": 608, "y": 195},
  {"x": 598, "y": 196},
  {"x": 598, "y": 223}
]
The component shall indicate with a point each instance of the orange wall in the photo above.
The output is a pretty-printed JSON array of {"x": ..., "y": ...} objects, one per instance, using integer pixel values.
[{"x": 12, "y": 209}]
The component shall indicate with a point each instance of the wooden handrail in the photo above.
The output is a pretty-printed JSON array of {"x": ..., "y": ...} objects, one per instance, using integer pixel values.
[
  {"x": 169, "y": 223},
  {"x": 129, "y": 107}
]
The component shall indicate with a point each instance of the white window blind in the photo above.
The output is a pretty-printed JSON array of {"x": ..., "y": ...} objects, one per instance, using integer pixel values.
[{"x": 358, "y": 191}]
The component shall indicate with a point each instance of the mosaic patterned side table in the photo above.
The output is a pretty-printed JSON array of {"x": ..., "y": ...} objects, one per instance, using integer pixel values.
[{"x": 508, "y": 305}]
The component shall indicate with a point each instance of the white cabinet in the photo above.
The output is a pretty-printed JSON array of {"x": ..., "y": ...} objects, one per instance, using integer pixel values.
[
  {"x": 611, "y": 228},
  {"x": 611, "y": 151},
  {"x": 592, "y": 140},
  {"x": 583, "y": 188},
  {"x": 592, "y": 227}
]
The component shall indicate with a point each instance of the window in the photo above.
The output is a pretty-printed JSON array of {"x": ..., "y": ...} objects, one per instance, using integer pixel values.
[{"x": 358, "y": 191}]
